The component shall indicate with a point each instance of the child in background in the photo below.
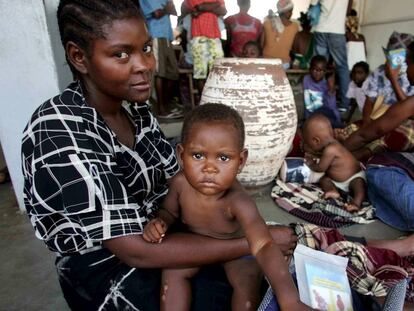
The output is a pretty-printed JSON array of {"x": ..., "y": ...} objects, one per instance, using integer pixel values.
[
  {"x": 319, "y": 93},
  {"x": 341, "y": 169},
  {"x": 209, "y": 200},
  {"x": 355, "y": 91},
  {"x": 252, "y": 50}
]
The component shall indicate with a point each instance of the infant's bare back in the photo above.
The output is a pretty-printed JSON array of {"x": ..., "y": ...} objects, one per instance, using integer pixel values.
[{"x": 344, "y": 164}]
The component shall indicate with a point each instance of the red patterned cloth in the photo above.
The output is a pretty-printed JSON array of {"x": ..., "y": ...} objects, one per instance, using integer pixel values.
[
  {"x": 205, "y": 24},
  {"x": 371, "y": 271}
]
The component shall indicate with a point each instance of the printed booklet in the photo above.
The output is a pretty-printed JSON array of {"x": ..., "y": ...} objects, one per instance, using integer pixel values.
[{"x": 322, "y": 280}]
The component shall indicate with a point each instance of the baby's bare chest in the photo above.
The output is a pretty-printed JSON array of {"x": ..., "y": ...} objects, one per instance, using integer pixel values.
[{"x": 210, "y": 219}]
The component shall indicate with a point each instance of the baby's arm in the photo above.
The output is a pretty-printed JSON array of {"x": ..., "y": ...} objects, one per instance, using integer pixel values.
[
  {"x": 328, "y": 155},
  {"x": 267, "y": 253},
  {"x": 155, "y": 230}
]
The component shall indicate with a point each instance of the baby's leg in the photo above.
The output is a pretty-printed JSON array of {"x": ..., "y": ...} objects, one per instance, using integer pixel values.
[
  {"x": 357, "y": 186},
  {"x": 176, "y": 288},
  {"x": 245, "y": 276},
  {"x": 329, "y": 188}
]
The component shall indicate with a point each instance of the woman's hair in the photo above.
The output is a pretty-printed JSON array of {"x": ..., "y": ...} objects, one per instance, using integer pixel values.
[
  {"x": 208, "y": 113},
  {"x": 363, "y": 65},
  {"x": 81, "y": 21},
  {"x": 410, "y": 49}
]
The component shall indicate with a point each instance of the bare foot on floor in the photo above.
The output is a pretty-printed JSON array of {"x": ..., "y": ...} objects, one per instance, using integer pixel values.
[
  {"x": 403, "y": 247},
  {"x": 331, "y": 194},
  {"x": 351, "y": 207}
]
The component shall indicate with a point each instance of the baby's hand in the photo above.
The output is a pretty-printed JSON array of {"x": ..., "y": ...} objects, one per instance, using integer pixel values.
[
  {"x": 309, "y": 158},
  {"x": 155, "y": 230}
]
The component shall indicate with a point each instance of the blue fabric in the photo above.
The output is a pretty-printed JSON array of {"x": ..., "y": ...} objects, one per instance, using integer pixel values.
[
  {"x": 314, "y": 12},
  {"x": 158, "y": 28},
  {"x": 332, "y": 44},
  {"x": 391, "y": 191}
]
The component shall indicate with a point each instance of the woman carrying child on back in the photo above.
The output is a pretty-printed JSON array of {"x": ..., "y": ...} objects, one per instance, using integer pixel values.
[
  {"x": 96, "y": 169},
  {"x": 208, "y": 199}
]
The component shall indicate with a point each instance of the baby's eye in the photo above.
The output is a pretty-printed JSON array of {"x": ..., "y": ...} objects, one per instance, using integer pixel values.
[
  {"x": 223, "y": 158},
  {"x": 122, "y": 55},
  {"x": 147, "y": 48},
  {"x": 197, "y": 156}
]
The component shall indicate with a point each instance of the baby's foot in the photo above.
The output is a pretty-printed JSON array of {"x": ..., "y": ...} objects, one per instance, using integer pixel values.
[
  {"x": 351, "y": 207},
  {"x": 331, "y": 194}
]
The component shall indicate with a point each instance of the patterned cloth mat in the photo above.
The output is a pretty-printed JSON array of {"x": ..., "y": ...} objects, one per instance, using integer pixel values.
[{"x": 305, "y": 201}]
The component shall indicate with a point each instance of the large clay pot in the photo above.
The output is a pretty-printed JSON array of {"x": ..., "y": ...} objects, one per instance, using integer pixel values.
[{"x": 260, "y": 91}]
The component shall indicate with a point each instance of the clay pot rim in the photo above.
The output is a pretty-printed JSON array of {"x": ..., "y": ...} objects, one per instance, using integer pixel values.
[{"x": 241, "y": 61}]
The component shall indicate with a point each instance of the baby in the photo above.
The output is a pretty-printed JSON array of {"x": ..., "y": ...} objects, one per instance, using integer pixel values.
[
  {"x": 209, "y": 200},
  {"x": 341, "y": 169}
]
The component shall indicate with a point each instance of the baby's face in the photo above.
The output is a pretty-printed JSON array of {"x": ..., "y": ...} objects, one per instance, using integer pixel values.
[{"x": 211, "y": 157}]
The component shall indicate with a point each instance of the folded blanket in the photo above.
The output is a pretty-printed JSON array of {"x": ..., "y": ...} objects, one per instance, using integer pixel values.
[
  {"x": 305, "y": 201},
  {"x": 371, "y": 271}
]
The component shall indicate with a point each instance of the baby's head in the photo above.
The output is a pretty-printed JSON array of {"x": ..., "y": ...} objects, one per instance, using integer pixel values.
[
  {"x": 359, "y": 73},
  {"x": 318, "y": 67},
  {"x": 212, "y": 149},
  {"x": 251, "y": 49},
  {"x": 317, "y": 132}
]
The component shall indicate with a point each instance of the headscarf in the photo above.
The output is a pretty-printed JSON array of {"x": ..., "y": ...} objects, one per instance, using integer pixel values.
[
  {"x": 352, "y": 24},
  {"x": 283, "y": 6}
]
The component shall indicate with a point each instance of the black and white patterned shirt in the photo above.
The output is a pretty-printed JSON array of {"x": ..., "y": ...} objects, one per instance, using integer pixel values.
[{"x": 81, "y": 185}]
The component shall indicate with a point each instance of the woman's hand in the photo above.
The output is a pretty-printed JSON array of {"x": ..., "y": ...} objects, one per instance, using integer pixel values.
[{"x": 391, "y": 73}]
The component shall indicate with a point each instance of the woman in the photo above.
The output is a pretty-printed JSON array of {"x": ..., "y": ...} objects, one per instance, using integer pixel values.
[
  {"x": 96, "y": 169},
  {"x": 279, "y": 33},
  {"x": 394, "y": 130}
]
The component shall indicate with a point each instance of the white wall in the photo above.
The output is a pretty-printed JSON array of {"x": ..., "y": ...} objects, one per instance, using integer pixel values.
[
  {"x": 27, "y": 76},
  {"x": 63, "y": 72},
  {"x": 379, "y": 19}
]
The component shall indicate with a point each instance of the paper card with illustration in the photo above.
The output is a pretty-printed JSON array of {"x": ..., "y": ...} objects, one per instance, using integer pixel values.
[
  {"x": 322, "y": 280},
  {"x": 396, "y": 58}
]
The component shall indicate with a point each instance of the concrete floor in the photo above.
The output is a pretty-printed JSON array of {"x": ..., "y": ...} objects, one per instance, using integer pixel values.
[{"x": 28, "y": 278}]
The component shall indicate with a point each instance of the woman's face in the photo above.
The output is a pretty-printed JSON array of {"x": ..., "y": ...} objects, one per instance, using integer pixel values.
[
  {"x": 410, "y": 67},
  {"x": 121, "y": 65}
]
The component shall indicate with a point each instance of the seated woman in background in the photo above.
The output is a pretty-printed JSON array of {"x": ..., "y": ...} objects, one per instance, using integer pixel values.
[
  {"x": 394, "y": 130},
  {"x": 279, "y": 32}
]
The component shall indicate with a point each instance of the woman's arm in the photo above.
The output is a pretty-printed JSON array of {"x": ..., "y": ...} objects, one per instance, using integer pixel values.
[
  {"x": 177, "y": 250},
  {"x": 367, "y": 111},
  {"x": 390, "y": 120}
]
